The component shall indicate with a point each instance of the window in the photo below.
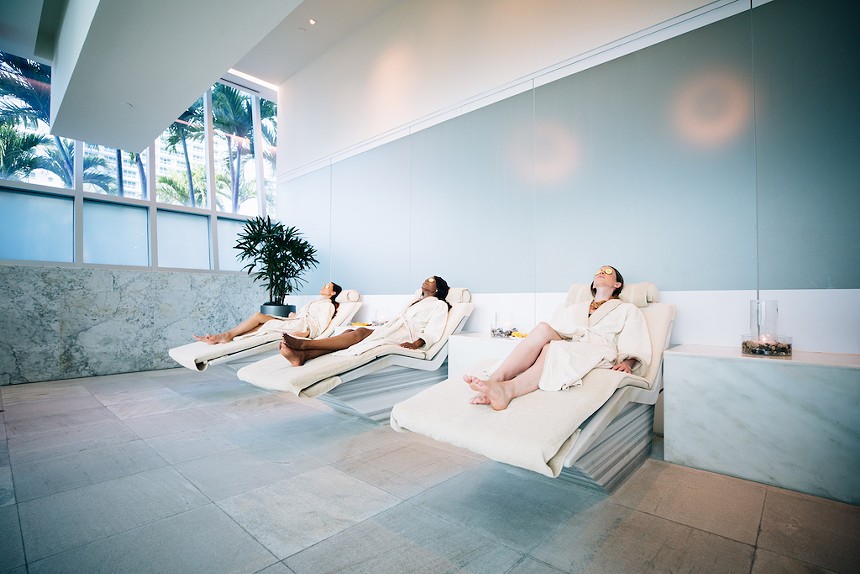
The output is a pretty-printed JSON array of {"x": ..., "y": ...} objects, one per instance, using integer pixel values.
[
  {"x": 36, "y": 227},
  {"x": 228, "y": 234},
  {"x": 182, "y": 171},
  {"x": 235, "y": 180},
  {"x": 183, "y": 240},
  {"x": 40, "y": 194},
  {"x": 115, "y": 234}
]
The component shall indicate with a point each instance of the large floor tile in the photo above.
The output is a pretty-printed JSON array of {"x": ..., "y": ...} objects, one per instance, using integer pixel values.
[
  {"x": 711, "y": 502},
  {"x": 11, "y": 546},
  {"x": 59, "y": 522},
  {"x": 173, "y": 422},
  {"x": 156, "y": 406},
  {"x": 7, "y": 488},
  {"x": 215, "y": 439},
  {"x": 203, "y": 540},
  {"x": 33, "y": 392},
  {"x": 401, "y": 540},
  {"x": 38, "y": 446},
  {"x": 259, "y": 405},
  {"x": 23, "y": 410},
  {"x": 4, "y": 451},
  {"x": 515, "y": 507},
  {"x": 348, "y": 438},
  {"x": 529, "y": 565},
  {"x": 298, "y": 512},
  {"x": 817, "y": 531},
  {"x": 767, "y": 562},
  {"x": 233, "y": 472},
  {"x": 408, "y": 470},
  {"x": 82, "y": 468},
  {"x": 608, "y": 538},
  {"x": 118, "y": 394},
  {"x": 58, "y": 422}
]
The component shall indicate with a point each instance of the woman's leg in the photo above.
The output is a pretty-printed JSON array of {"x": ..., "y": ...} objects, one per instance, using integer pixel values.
[
  {"x": 298, "y": 351},
  {"x": 499, "y": 394},
  {"x": 524, "y": 355},
  {"x": 249, "y": 325}
]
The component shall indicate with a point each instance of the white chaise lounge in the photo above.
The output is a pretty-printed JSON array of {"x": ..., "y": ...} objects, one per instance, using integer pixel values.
[
  {"x": 369, "y": 384},
  {"x": 198, "y": 356},
  {"x": 596, "y": 434}
]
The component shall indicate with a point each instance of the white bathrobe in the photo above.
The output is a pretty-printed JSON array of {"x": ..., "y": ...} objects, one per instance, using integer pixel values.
[
  {"x": 313, "y": 317},
  {"x": 614, "y": 332},
  {"x": 424, "y": 319}
]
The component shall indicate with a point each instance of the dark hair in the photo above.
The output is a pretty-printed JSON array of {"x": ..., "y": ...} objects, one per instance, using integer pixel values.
[
  {"x": 442, "y": 290},
  {"x": 618, "y": 279},
  {"x": 337, "y": 289}
]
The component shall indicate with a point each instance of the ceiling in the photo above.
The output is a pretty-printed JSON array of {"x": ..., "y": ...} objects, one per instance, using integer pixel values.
[{"x": 130, "y": 107}]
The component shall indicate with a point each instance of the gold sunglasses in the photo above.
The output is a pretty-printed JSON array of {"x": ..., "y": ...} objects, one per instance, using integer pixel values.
[{"x": 605, "y": 271}]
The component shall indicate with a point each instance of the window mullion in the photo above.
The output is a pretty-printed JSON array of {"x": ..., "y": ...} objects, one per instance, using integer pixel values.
[
  {"x": 259, "y": 166},
  {"x": 78, "y": 186},
  {"x": 209, "y": 156}
]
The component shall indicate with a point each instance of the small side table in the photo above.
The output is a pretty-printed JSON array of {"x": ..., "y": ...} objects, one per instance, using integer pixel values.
[
  {"x": 792, "y": 423},
  {"x": 468, "y": 349}
]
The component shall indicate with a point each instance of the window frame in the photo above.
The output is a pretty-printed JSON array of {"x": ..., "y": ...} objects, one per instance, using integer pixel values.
[{"x": 151, "y": 203}]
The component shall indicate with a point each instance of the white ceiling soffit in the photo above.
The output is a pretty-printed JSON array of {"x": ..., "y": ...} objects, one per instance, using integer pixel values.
[
  {"x": 123, "y": 71},
  {"x": 294, "y": 43}
]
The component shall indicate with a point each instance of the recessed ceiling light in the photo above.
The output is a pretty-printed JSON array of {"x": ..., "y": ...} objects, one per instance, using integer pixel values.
[{"x": 311, "y": 21}]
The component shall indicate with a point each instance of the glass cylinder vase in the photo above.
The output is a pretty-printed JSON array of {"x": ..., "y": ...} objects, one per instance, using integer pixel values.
[{"x": 763, "y": 319}]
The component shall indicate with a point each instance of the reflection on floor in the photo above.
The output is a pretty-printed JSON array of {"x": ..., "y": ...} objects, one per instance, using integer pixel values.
[{"x": 175, "y": 471}]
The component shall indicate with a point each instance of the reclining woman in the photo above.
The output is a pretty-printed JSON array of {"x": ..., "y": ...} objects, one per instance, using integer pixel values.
[
  {"x": 310, "y": 321},
  {"x": 421, "y": 323},
  {"x": 602, "y": 333}
]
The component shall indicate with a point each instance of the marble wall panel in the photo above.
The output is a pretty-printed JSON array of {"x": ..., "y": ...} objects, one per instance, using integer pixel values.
[{"x": 61, "y": 323}]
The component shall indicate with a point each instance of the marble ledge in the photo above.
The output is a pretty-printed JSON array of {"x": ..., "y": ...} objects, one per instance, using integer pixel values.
[{"x": 798, "y": 357}]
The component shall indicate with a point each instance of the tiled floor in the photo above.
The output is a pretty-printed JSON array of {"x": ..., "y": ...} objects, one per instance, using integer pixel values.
[{"x": 175, "y": 471}]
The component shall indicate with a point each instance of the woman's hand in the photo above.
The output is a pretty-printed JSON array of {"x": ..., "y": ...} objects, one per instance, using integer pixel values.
[
  {"x": 413, "y": 345},
  {"x": 626, "y": 366}
]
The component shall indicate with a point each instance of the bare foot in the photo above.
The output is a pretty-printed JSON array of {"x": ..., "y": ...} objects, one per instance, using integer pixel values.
[
  {"x": 213, "y": 339},
  {"x": 479, "y": 399},
  {"x": 293, "y": 343},
  {"x": 296, "y": 358},
  {"x": 496, "y": 393}
]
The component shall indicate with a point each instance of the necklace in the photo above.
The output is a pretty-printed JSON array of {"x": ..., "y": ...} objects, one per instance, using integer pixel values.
[{"x": 595, "y": 304}]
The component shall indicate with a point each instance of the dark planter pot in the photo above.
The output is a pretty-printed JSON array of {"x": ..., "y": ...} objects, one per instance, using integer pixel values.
[{"x": 277, "y": 310}]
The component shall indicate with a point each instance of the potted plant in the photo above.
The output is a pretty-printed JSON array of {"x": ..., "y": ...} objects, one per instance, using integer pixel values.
[{"x": 278, "y": 256}]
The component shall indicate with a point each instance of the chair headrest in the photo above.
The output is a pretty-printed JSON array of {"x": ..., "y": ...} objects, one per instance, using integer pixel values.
[
  {"x": 458, "y": 295},
  {"x": 640, "y": 294},
  {"x": 455, "y": 295},
  {"x": 348, "y": 295}
]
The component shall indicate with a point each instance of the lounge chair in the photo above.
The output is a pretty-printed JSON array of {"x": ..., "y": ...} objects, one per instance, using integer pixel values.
[
  {"x": 368, "y": 384},
  {"x": 198, "y": 356},
  {"x": 596, "y": 434}
]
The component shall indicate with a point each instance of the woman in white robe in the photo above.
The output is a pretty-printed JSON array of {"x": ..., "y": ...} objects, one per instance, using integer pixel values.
[
  {"x": 602, "y": 333},
  {"x": 421, "y": 324},
  {"x": 310, "y": 321}
]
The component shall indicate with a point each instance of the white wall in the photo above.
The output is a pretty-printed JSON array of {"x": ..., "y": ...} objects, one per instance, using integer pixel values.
[{"x": 423, "y": 58}]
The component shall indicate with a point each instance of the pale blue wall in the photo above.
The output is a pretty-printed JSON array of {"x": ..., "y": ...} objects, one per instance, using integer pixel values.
[{"x": 722, "y": 159}]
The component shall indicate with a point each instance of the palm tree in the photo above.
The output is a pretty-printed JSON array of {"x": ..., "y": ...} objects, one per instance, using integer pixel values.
[
  {"x": 173, "y": 188},
  {"x": 27, "y": 84},
  {"x": 94, "y": 167},
  {"x": 231, "y": 110},
  {"x": 189, "y": 125},
  {"x": 135, "y": 157},
  {"x": 18, "y": 152}
]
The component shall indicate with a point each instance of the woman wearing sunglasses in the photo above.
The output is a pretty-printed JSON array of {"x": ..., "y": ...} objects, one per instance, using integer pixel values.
[
  {"x": 421, "y": 324},
  {"x": 602, "y": 333}
]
